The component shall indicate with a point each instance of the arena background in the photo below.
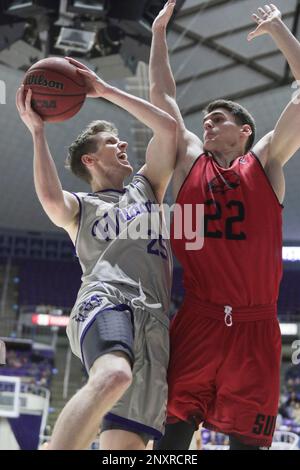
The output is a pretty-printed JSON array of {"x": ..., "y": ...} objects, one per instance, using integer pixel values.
[{"x": 210, "y": 58}]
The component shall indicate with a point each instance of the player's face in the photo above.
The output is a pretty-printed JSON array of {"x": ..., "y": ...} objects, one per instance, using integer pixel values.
[
  {"x": 221, "y": 132},
  {"x": 111, "y": 154}
]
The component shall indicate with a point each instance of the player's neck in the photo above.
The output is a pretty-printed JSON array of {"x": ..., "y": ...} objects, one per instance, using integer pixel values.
[
  {"x": 116, "y": 182},
  {"x": 225, "y": 159}
]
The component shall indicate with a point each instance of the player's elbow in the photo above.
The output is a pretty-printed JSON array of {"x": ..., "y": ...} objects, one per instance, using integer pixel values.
[{"x": 160, "y": 94}]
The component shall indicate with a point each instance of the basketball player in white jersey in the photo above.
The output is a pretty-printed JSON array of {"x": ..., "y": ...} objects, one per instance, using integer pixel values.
[{"x": 119, "y": 325}]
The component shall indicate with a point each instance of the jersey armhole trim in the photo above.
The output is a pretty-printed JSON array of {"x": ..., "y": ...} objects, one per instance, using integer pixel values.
[
  {"x": 185, "y": 179},
  {"x": 145, "y": 177},
  {"x": 79, "y": 223},
  {"x": 267, "y": 179},
  {"x": 108, "y": 190}
]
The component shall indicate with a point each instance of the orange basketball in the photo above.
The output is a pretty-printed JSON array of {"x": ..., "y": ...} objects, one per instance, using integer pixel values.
[{"x": 58, "y": 90}]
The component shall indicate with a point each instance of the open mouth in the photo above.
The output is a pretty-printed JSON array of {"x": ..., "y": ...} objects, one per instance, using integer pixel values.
[{"x": 122, "y": 156}]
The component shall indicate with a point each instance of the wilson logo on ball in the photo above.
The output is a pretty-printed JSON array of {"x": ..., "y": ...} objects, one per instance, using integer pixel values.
[
  {"x": 58, "y": 90},
  {"x": 41, "y": 80}
]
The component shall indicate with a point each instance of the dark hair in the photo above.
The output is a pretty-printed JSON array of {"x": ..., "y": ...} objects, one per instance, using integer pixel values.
[
  {"x": 86, "y": 143},
  {"x": 240, "y": 114}
]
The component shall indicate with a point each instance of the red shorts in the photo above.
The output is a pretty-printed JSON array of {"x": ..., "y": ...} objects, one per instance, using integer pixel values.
[{"x": 226, "y": 376}]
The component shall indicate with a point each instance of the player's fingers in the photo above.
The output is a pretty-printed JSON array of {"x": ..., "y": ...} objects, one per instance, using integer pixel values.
[
  {"x": 262, "y": 12},
  {"x": 87, "y": 74},
  {"x": 20, "y": 99},
  {"x": 256, "y": 18},
  {"x": 17, "y": 99},
  {"x": 28, "y": 100},
  {"x": 77, "y": 63},
  {"x": 251, "y": 35}
]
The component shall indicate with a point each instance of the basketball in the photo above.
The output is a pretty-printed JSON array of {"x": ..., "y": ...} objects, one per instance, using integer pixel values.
[{"x": 58, "y": 90}]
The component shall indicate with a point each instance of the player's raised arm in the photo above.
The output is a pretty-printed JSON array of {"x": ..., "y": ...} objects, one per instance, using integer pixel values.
[
  {"x": 281, "y": 144},
  {"x": 60, "y": 206},
  {"x": 163, "y": 87},
  {"x": 161, "y": 153},
  {"x": 269, "y": 21}
]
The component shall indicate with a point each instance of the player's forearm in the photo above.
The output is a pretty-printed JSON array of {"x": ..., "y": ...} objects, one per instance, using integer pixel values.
[
  {"x": 161, "y": 77},
  {"x": 288, "y": 45},
  {"x": 46, "y": 181},
  {"x": 153, "y": 117}
]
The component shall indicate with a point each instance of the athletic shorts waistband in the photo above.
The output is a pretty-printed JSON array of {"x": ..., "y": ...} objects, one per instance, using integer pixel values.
[{"x": 230, "y": 313}]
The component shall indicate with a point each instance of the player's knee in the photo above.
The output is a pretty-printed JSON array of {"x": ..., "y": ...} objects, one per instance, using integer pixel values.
[
  {"x": 114, "y": 376},
  {"x": 119, "y": 378}
]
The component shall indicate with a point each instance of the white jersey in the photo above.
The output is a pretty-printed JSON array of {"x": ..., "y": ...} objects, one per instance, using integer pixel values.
[{"x": 120, "y": 242}]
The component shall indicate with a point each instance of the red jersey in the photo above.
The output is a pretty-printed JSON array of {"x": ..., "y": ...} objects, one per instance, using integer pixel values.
[{"x": 241, "y": 260}]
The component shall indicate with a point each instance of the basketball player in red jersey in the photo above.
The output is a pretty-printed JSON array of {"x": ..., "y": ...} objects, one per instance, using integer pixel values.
[{"x": 225, "y": 339}]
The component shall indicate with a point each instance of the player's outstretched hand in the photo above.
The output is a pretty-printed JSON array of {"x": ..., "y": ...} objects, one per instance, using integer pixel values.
[
  {"x": 30, "y": 118},
  {"x": 164, "y": 16},
  {"x": 96, "y": 87},
  {"x": 265, "y": 18}
]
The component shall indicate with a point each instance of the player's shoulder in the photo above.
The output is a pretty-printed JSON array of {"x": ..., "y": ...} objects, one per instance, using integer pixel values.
[
  {"x": 183, "y": 170},
  {"x": 190, "y": 147},
  {"x": 80, "y": 195},
  {"x": 140, "y": 182},
  {"x": 261, "y": 149}
]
